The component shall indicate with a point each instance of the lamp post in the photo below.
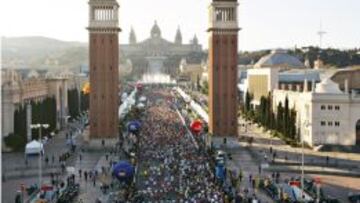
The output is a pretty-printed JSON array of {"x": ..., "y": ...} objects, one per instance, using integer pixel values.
[
  {"x": 40, "y": 126},
  {"x": 307, "y": 124}
]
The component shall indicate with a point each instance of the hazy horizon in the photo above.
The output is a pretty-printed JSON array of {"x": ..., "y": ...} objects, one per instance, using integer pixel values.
[{"x": 265, "y": 24}]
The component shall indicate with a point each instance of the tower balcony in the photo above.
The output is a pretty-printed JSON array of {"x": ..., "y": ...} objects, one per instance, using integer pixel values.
[{"x": 104, "y": 24}]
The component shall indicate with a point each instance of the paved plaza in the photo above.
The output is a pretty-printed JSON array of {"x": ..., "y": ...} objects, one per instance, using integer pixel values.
[{"x": 172, "y": 166}]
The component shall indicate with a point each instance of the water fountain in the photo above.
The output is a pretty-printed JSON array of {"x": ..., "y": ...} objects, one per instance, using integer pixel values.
[{"x": 157, "y": 78}]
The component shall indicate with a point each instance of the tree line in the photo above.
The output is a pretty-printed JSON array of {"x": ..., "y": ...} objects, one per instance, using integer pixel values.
[
  {"x": 41, "y": 112},
  {"x": 330, "y": 56},
  {"x": 282, "y": 121}
]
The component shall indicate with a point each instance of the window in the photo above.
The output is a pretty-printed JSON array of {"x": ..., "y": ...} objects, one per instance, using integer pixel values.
[
  {"x": 330, "y": 107},
  {"x": 330, "y": 123},
  {"x": 337, "y": 108},
  {"x": 322, "y": 123},
  {"x": 323, "y": 107},
  {"x": 337, "y": 123}
]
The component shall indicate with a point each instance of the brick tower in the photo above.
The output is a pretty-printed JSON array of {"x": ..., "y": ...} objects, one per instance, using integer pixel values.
[
  {"x": 103, "y": 64},
  {"x": 223, "y": 39}
]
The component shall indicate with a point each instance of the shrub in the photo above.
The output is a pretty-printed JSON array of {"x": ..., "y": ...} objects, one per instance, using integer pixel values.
[{"x": 15, "y": 142}]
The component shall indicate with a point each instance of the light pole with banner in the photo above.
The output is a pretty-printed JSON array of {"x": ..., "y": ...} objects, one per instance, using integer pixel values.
[{"x": 40, "y": 126}]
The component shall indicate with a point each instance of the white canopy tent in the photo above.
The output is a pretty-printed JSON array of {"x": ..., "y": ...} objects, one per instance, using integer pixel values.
[{"x": 34, "y": 147}]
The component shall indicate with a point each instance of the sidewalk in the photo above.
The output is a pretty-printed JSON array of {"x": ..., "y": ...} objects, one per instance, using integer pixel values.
[
  {"x": 291, "y": 156},
  {"x": 242, "y": 159}
]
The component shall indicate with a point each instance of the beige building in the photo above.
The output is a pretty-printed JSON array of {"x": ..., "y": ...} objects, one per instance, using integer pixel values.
[
  {"x": 20, "y": 87},
  {"x": 191, "y": 72}
]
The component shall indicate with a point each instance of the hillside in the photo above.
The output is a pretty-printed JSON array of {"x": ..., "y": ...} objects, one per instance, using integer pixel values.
[{"x": 20, "y": 52}]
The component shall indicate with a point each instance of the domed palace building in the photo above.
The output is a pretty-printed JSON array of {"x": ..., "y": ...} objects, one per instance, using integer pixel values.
[{"x": 157, "y": 55}]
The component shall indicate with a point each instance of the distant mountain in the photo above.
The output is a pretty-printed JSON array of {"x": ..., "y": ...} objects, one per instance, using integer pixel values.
[{"x": 35, "y": 51}]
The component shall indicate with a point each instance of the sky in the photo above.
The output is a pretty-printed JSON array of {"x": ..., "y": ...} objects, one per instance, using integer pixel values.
[{"x": 265, "y": 23}]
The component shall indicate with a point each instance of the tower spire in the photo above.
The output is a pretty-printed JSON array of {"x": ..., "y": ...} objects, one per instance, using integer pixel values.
[
  {"x": 132, "y": 36},
  {"x": 178, "y": 37},
  {"x": 195, "y": 40}
]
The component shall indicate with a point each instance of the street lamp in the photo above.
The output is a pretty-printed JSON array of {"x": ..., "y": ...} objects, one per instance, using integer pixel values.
[
  {"x": 307, "y": 124},
  {"x": 40, "y": 126}
]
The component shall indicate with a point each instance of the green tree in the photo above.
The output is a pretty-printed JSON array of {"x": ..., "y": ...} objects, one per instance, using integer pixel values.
[
  {"x": 280, "y": 117},
  {"x": 286, "y": 122}
]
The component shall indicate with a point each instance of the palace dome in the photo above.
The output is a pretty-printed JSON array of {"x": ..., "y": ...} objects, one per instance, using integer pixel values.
[
  {"x": 279, "y": 58},
  {"x": 155, "y": 30}
]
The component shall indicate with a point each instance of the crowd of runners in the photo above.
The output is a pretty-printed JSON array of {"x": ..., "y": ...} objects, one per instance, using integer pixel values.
[{"x": 171, "y": 168}]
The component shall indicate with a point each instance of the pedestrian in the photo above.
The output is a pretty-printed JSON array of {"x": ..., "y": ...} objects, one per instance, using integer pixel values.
[
  {"x": 107, "y": 156},
  {"x": 274, "y": 156},
  {"x": 277, "y": 177},
  {"x": 253, "y": 183},
  {"x": 103, "y": 143},
  {"x": 85, "y": 175},
  {"x": 80, "y": 173},
  {"x": 271, "y": 149},
  {"x": 94, "y": 181},
  {"x": 46, "y": 160},
  {"x": 80, "y": 157},
  {"x": 327, "y": 160},
  {"x": 250, "y": 178},
  {"x": 240, "y": 175},
  {"x": 259, "y": 169}
]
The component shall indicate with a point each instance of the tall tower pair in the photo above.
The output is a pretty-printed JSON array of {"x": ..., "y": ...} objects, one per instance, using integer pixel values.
[
  {"x": 104, "y": 53},
  {"x": 223, "y": 50},
  {"x": 103, "y": 64}
]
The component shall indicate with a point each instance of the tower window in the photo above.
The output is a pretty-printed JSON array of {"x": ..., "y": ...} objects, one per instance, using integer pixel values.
[
  {"x": 337, "y": 108},
  {"x": 330, "y": 123},
  {"x": 337, "y": 123},
  {"x": 323, "y": 107},
  {"x": 330, "y": 107},
  {"x": 322, "y": 123}
]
